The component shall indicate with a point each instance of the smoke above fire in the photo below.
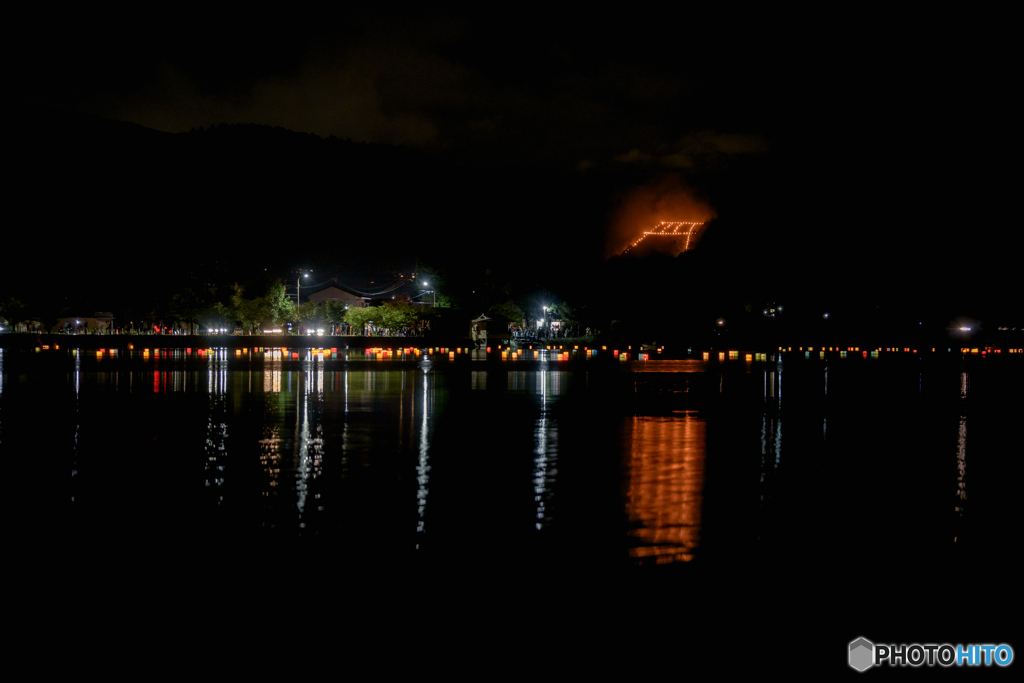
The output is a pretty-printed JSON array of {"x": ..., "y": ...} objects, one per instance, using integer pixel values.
[{"x": 642, "y": 209}]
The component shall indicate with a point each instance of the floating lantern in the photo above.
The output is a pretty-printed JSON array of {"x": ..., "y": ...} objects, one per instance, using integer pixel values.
[{"x": 707, "y": 355}]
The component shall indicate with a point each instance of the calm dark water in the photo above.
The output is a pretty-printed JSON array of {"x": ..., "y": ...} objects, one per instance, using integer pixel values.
[
  {"x": 676, "y": 500},
  {"x": 660, "y": 462},
  {"x": 756, "y": 484}
]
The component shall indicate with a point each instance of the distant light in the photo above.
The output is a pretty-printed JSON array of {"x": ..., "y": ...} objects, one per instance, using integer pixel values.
[
  {"x": 965, "y": 329},
  {"x": 826, "y": 315}
]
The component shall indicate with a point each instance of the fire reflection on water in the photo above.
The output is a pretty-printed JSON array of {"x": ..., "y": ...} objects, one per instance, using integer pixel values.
[{"x": 666, "y": 487}]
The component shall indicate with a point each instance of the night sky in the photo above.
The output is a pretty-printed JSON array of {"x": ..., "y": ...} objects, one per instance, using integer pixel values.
[{"x": 843, "y": 157}]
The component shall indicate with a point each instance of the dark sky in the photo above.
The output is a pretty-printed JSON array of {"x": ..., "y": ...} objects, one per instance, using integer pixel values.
[
  {"x": 873, "y": 140},
  {"x": 567, "y": 93}
]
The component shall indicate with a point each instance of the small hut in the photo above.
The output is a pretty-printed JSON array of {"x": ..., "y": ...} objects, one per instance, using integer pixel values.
[{"x": 490, "y": 328}]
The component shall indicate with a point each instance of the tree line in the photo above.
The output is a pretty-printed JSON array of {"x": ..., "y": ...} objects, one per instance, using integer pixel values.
[{"x": 250, "y": 309}]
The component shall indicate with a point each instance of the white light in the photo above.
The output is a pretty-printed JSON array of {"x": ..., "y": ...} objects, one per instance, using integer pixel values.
[{"x": 966, "y": 329}]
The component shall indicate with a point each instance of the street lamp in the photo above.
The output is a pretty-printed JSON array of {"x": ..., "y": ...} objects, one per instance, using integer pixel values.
[
  {"x": 298, "y": 281},
  {"x": 432, "y": 292}
]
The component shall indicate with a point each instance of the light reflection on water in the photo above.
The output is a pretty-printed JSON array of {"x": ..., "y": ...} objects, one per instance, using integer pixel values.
[
  {"x": 666, "y": 486},
  {"x": 961, "y": 454},
  {"x": 329, "y": 449}
]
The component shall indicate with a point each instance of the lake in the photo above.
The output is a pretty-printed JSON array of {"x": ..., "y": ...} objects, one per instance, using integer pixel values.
[{"x": 789, "y": 472}]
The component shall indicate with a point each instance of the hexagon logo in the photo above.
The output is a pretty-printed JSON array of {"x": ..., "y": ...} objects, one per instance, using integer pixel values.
[{"x": 862, "y": 654}]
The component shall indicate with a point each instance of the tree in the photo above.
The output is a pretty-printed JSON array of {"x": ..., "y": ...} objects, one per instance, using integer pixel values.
[
  {"x": 185, "y": 306},
  {"x": 217, "y": 316},
  {"x": 335, "y": 312},
  {"x": 273, "y": 306},
  {"x": 311, "y": 314},
  {"x": 396, "y": 317},
  {"x": 357, "y": 318},
  {"x": 564, "y": 313},
  {"x": 13, "y": 310},
  {"x": 510, "y": 310},
  {"x": 281, "y": 309}
]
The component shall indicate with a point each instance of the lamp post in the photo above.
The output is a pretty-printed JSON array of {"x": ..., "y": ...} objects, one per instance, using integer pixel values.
[
  {"x": 432, "y": 292},
  {"x": 297, "y": 288}
]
